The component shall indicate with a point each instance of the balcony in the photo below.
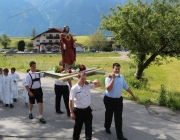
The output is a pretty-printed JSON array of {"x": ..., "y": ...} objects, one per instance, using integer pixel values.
[
  {"x": 49, "y": 37},
  {"x": 56, "y": 37},
  {"x": 45, "y": 43}
]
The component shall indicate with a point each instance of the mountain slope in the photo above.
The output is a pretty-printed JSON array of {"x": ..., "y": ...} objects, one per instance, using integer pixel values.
[
  {"x": 83, "y": 16},
  {"x": 13, "y": 24}
]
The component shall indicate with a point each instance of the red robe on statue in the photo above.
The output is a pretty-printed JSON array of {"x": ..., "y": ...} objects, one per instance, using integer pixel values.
[{"x": 67, "y": 48}]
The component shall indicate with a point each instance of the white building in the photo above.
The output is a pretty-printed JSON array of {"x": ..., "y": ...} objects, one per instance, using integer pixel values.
[{"x": 50, "y": 40}]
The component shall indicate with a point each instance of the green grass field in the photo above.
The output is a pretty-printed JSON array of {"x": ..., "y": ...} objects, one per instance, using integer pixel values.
[{"x": 166, "y": 74}]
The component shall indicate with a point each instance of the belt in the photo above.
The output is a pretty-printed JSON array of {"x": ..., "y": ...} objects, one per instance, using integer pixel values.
[
  {"x": 61, "y": 85},
  {"x": 82, "y": 108}
]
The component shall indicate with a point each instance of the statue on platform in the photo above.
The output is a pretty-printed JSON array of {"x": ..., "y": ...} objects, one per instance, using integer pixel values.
[{"x": 68, "y": 50}]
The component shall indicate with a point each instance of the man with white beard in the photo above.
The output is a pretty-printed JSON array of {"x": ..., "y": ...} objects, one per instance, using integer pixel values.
[
  {"x": 15, "y": 78},
  {"x": 7, "y": 89},
  {"x": 1, "y": 76}
]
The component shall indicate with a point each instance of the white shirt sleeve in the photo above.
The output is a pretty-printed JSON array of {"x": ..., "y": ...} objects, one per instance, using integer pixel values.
[
  {"x": 107, "y": 81},
  {"x": 27, "y": 80},
  {"x": 72, "y": 94}
]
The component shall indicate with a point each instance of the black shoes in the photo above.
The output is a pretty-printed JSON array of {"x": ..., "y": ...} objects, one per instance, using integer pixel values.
[
  {"x": 6, "y": 105},
  {"x": 42, "y": 120},
  {"x": 11, "y": 105},
  {"x": 30, "y": 116},
  {"x": 108, "y": 131},
  {"x": 15, "y": 100},
  {"x": 122, "y": 138},
  {"x": 59, "y": 112}
]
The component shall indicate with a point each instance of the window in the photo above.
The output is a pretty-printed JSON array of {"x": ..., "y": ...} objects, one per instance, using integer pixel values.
[
  {"x": 50, "y": 41},
  {"x": 37, "y": 40}
]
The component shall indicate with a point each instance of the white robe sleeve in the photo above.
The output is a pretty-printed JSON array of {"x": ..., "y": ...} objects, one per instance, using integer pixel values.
[
  {"x": 12, "y": 86},
  {"x": 24, "y": 82},
  {"x": 1, "y": 84},
  {"x": 17, "y": 78}
]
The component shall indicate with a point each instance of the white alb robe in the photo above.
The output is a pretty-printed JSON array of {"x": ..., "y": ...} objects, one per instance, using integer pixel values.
[
  {"x": 1, "y": 94},
  {"x": 15, "y": 78},
  {"x": 7, "y": 89},
  {"x": 25, "y": 92}
]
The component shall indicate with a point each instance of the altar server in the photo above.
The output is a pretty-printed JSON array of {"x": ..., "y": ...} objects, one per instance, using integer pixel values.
[
  {"x": 7, "y": 89},
  {"x": 25, "y": 92},
  {"x": 15, "y": 78}
]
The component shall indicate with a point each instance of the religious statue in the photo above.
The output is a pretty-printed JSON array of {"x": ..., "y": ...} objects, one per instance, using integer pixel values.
[{"x": 67, "y": 47}]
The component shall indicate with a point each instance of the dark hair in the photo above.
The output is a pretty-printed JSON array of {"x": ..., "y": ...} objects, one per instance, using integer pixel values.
[
  {"x": 13, "y": 69},
  {"x": 32, "y": 63},
  {"x": 1, "y": 69},
  {"x": 6, "y": 70},
  {"x": 81, "y": 73},
  {"x": 64, "y": 29},
  {"x": 28, "y": 70},
  {"x": 116, "y": 65}
]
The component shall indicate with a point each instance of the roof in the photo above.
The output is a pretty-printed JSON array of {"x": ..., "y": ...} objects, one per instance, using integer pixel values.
[{"x": 50, "y": 30}]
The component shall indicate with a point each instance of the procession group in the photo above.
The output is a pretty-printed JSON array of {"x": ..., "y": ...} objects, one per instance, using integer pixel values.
[{"x": 77, "y": 97}]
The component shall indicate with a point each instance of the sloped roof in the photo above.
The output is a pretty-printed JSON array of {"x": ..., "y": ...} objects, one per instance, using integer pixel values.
[{"x": 50, "y": 30}]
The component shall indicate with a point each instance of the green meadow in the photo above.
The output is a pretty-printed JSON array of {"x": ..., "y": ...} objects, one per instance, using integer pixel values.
[{"x": 145, "y": 92}]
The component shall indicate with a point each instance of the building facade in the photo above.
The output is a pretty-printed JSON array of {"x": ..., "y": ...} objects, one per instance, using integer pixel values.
[{"x": 49, "y": 41}]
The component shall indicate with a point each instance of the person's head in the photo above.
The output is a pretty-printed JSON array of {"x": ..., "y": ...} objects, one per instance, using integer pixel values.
[
  {"x": 13, "y": 70},
  {"x": 28, "y": 70},
  {"x": 6, "y": 71},
  {"x": 66, "y": 29},
  {"x": 116, "y": 68},
  {"x": 81, "y": 78},
  {"x": 1, "y": 70},
  {"x": 33, "y": 66}
]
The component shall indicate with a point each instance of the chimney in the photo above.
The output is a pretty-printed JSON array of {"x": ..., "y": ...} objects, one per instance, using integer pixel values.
[{"x": 49, "y": 28}]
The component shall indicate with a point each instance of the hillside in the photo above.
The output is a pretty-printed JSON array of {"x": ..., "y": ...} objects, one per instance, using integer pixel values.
[{"x": 19, "y": 17}]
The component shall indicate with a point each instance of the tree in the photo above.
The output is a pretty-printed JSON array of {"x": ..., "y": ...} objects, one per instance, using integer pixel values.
[
  {"x": 150, "y": 31},
  {"x": 33, "y": 34},
  {"x": 97, "y": 40},
  {"x": 21, "y": 45},
  {"x": 5, "y": 40}
]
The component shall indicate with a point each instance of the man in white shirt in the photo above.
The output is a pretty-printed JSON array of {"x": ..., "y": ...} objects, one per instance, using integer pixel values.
[
  {"x": 15, "y": 78},
  {"x": 80, "y": 98},
  {"x": 33, "y": 86},
  {"x": 62, "y": 89}
]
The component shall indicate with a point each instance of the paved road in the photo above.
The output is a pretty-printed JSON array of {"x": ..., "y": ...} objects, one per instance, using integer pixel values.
[{"x": 138, "y": 123}]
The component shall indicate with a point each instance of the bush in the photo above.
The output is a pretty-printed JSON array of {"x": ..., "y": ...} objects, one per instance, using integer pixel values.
[
  {"x": 173, "y": 101},
  {"x": 107, "y": 49},
  {"x": 29, "y": 44},
  {"x": 162, "y": 99},
  {"x": 136, "y": 83},
  {"x": 21, "y": 45}
]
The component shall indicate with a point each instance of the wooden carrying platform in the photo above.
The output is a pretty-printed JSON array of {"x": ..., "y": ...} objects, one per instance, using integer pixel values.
[{"x": 70, "y": 76}]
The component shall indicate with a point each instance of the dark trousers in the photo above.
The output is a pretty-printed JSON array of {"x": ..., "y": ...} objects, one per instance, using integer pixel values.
[
  {"x": 83, "y": 116},
  {"x": 61, "y": 90},
  {"x": 114, "y": 105}
]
